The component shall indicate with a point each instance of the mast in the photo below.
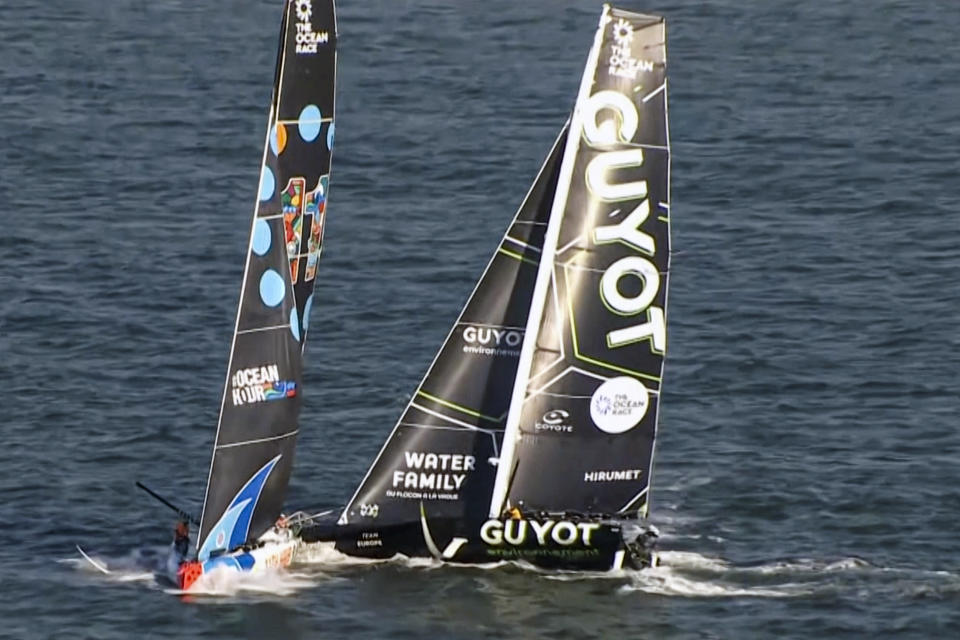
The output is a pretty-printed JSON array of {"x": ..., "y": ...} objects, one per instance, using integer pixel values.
[{"x": 544, "y": 273}]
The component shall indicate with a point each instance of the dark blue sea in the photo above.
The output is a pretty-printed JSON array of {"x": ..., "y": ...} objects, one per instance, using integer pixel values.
[{"x": 807, "y": 474}]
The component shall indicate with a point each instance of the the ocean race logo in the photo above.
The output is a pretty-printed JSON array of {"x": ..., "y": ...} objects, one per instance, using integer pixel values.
[
  {"x": 622, "y": 63},
  {"x": 492, "y": 341},
  {"x": 619, "y": 404},
  {"x": 308, "y": 39},
  {"x": 260, "y": 384}
]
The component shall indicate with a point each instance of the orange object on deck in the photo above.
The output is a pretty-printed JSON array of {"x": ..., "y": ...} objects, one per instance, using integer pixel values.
[{"x": 188, "y": 573}]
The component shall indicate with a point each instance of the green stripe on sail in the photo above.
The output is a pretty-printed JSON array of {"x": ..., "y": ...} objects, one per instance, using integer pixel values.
[
  {"x": 517, "y": 256},
  {"x": 457, "y": 407}
]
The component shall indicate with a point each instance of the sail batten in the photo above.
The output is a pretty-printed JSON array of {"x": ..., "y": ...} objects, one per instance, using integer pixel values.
[{"x": 258, "y": 422}]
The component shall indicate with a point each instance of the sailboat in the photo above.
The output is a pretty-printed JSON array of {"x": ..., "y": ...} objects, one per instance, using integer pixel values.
[
  {"x": 241, "y": 527},
  {"x": 531, "y": 437}
]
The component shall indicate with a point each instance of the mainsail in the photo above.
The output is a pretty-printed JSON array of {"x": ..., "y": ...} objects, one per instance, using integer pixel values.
[
  {"x": 258, "y": 423},
  {"x": 583, "y": 412},
  {"x": 442, "y": 453}
]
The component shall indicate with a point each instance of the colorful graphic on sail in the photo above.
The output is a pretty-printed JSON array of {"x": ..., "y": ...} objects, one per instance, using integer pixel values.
[{"x": 261, "y": 403}]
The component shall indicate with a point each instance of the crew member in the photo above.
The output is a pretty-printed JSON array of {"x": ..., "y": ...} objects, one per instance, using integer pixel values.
[{"x": 181, "y": 538}]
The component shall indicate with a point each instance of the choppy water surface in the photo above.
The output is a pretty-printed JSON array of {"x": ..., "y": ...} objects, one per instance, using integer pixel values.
[{"x": 806, "y": 478}]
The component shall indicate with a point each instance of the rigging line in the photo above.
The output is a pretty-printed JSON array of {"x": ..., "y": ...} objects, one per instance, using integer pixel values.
[{"x": 258, "y": 440}]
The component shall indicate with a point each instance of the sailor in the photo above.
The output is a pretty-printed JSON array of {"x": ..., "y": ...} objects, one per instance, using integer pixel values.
[
  {"x": 179, "y": 548},
  {"x": 181, "y": 538}
]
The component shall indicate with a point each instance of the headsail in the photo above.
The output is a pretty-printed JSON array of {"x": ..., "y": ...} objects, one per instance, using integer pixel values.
[
  {"x": 583, "y": 414},
  {"x": 442, "y": 452},
  {"x": 259, "y": 412}
]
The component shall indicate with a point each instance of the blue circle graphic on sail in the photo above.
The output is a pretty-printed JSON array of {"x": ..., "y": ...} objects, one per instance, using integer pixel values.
[
  {"x": 330, "y": 131},
  {"x": 306, "y": 312},
  {"x": 271, "y": 288},
  {"x": 267, "y": 184},
  {"x": 261, "y": 237},
  {"x": 295, "y": 323},
  {"x": 309, "y": 122}
]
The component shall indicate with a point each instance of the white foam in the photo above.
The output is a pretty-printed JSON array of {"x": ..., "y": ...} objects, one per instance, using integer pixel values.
[
  {"x": 691, "y": 560},
  {"x": 666, "y": 581},
  {"x": 228, "y": 582}
]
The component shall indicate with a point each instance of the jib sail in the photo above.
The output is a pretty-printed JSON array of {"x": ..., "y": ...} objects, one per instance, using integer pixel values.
[
  {"x": 443, "y": 451},
  {"x": 258, "y": 423},
  {"x": 583, "y": 414}
]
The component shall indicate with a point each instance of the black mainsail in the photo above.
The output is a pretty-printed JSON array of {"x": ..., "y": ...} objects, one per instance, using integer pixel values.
[
  {"x": 443, "y": 450},
  {"x": 258, "y": 424},
  {"x": 583, "y": 414}
]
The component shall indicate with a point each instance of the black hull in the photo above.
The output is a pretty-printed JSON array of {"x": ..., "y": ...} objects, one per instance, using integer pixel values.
[{"x": 549, "y": 543}]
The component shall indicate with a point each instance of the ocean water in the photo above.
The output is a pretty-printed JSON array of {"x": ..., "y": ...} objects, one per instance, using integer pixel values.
[{"x": 807, "y": 476}]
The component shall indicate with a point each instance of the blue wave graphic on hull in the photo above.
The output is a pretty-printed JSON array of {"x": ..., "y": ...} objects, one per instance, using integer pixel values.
[{"x": 240, "y": 562}]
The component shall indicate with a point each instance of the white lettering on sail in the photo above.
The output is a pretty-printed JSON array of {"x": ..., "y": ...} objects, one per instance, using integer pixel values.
[
  {"x": 260, "y": 384},
  {"x": 431, "y": 475},
  {"x": 612, "y": 476},
  {"x": 632, "y": 266},
  {"x": 628, "y": 231},
  {"x": 607, "y": 132},
  {"x": 599, "y": 172},
  {"x": 491, "y": 341},
  {"x": 654, "y": 330},
  {"x": 307, "y": 39},
  {"x": 622, "y": 63},
  {"x": 498, "y": 337}
]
